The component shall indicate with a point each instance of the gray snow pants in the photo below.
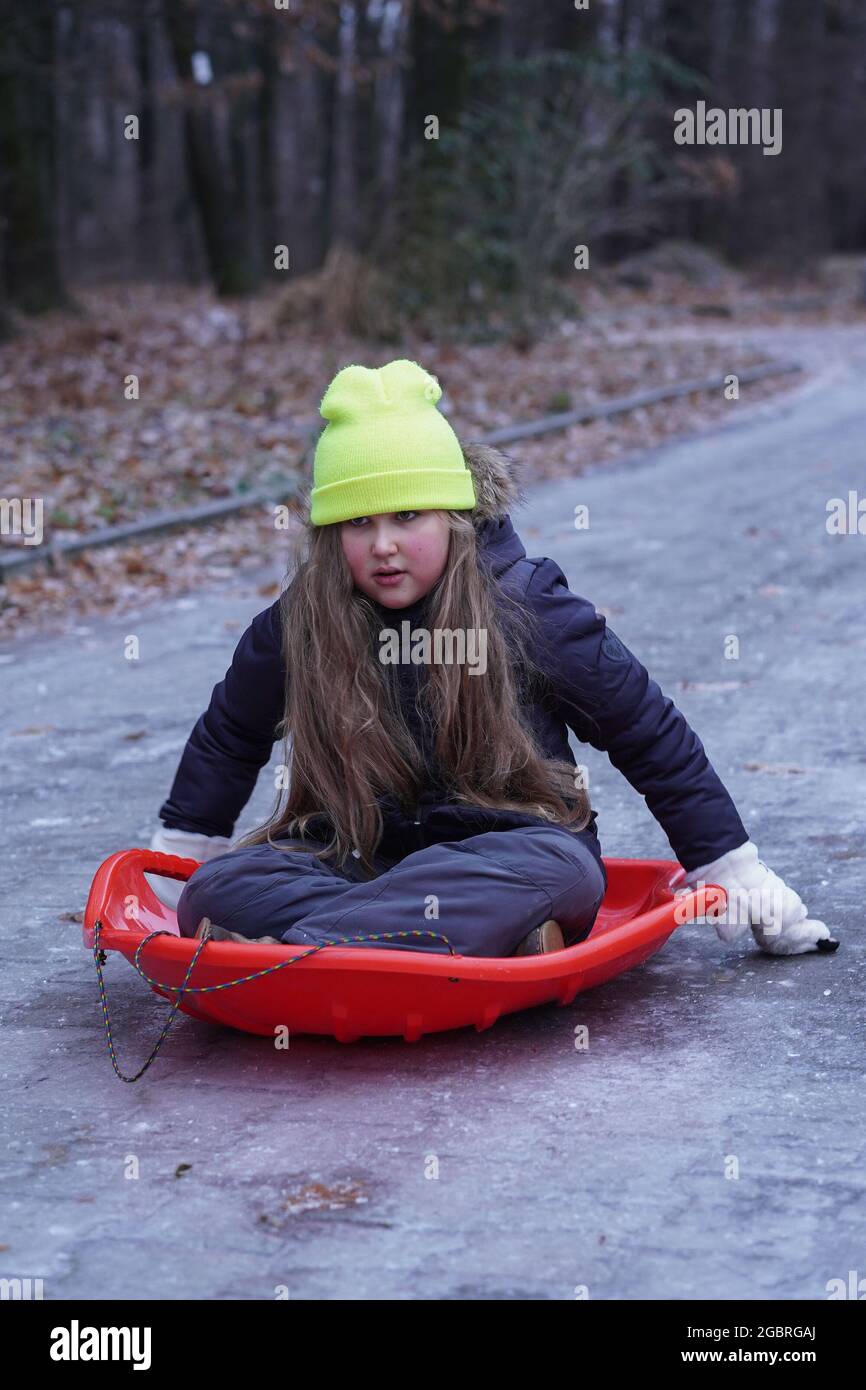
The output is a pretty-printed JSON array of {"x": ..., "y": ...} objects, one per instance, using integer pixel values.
[{"x": 482, "y": 893}]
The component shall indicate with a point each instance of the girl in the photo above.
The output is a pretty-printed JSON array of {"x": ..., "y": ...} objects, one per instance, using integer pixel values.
[{"x": 433, "y": 801}]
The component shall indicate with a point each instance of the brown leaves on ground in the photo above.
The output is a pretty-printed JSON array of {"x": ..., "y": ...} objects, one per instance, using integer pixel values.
[{"x": 228, "y": 403}]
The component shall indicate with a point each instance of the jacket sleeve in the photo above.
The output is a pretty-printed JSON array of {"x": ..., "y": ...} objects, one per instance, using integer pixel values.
[
  {"x": 609, "y": 700},
  {"x": 232, "y": 740}
]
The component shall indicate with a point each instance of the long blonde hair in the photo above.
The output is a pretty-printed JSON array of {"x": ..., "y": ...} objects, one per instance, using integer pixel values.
[{"x": 351, "y": 742}]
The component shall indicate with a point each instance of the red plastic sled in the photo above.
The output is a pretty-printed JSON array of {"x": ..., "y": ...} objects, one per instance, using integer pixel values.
[{"x": 352, "y": 992}]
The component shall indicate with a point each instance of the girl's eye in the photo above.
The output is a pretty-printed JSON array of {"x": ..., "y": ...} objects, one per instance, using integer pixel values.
[{"x": 360, "y": 520}]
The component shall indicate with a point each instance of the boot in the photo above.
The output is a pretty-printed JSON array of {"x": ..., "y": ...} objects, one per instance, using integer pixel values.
[
  {"x": 220, "y": 934},
  {"x": 542, "y": 940}
]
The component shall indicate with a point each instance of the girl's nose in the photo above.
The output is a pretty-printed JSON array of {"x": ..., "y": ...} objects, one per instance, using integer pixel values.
[{"x": 383, "y": 545}]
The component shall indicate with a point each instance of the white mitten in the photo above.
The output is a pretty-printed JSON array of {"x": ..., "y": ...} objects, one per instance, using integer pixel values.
[
  {"x": 757, "y": 897},
  {"x": 185, "y": 844}
]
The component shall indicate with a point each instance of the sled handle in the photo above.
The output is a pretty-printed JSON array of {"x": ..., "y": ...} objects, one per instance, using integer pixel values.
[
  {"x": 99, "y": 898},
  {"x": 150, "y": 861}
]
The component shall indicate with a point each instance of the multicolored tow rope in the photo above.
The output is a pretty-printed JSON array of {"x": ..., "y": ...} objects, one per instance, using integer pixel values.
[{"x": 100, "y": 957}]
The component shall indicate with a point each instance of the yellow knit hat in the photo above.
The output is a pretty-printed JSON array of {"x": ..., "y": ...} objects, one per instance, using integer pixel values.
[{"x": 386, "y": 447}]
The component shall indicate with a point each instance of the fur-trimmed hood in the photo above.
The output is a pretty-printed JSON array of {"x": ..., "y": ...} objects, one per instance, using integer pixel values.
[{"x": 497, "y": 481}]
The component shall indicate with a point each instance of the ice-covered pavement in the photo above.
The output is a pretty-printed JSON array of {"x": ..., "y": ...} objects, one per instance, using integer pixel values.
[{"x": 504, "y": 1164}]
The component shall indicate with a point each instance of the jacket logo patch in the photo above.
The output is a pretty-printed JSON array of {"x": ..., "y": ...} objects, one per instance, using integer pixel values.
[{"x": 612, "y": 647}]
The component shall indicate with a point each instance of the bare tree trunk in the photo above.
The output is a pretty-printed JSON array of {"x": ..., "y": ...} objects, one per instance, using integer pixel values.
[
  {"x": 844, "y": 92},
  {"x": 149, "y": 223},
  {"x": 28, "y": 156},
  {"x": 440, "y": 70},
  {"x": 795, "y": 180},
  {"x": 390, "y": 115},
  {"x": 558, "y": 25},
  {"x": 683, "y": 32},
  {"x": 267, "y": 58},
  {"x": 344, "y": 213},
  {"x": 303, "y": 158},
  {"x": 742, "y": 83},
  {"x": 221, "y": 204},
  {"x": 623, "y": 24}
]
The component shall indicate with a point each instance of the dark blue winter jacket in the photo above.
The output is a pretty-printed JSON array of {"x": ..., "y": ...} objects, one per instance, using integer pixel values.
[{"x": 587, "y": 669}]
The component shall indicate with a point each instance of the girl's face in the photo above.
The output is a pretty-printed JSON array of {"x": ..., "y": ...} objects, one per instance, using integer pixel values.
[{"x": 412, "y": 545}]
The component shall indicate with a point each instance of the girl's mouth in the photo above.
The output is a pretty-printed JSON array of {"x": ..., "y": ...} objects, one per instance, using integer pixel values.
[{"x": 388, "y": 576}]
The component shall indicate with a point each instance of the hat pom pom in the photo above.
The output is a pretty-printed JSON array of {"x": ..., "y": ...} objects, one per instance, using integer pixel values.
[
  {"x": 352, "y": 390},
  {"x": 359, "y": 391}
]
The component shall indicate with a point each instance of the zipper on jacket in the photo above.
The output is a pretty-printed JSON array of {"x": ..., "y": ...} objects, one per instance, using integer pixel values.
[{"x": 420, "y": 825}]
